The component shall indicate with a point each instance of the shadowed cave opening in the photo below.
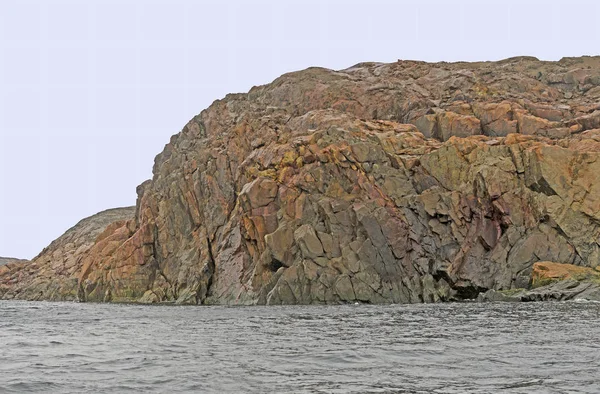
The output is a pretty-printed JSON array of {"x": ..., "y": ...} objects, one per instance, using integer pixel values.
[
  {"x": 469, "y": 292},
  {"x": 464, "y": 290},
  {"x": 274, "y": 265}
]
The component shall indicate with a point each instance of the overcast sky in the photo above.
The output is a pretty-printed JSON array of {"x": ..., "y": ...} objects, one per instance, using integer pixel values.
[{"x": 90, "y": 91}]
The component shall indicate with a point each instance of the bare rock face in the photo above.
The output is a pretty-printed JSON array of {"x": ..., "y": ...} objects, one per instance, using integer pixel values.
[
  {"x": 553, "y": 282},
  {"x": 52, "y": 275},
  {"x": 403, "y": 182}
]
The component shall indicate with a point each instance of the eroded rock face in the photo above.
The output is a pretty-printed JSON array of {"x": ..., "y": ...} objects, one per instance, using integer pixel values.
[
  {"x": 52, "y": 275},
  {"x": 403, "y": 182},
  {"x": 547, "y": 272},
  {"x": 552, "y": 281}
]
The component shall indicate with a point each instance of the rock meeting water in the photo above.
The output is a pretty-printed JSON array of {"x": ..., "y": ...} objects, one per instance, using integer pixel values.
[{"x": 441, "y": 348}]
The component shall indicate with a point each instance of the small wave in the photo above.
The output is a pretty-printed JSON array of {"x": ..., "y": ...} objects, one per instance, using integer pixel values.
[
  {"x": 305, "y": 317},
  {"x": 585, "y": 301},
  {"x": 526, "y": 383},
  {"x": 22, "y": 387},
  {"x": 424, "y": 349},
  {"x": 22, "y": 344}
]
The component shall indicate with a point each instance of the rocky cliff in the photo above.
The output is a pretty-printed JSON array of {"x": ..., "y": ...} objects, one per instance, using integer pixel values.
[
  {"x": 402, "y": 182},
  {"x": 53, "y": 273}
]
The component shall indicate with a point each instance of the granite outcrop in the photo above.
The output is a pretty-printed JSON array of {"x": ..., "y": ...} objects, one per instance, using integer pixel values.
[{"x": 381, "y": 183}]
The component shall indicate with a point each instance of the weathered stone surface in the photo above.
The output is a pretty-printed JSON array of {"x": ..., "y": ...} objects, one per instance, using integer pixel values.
[
  {"x": 496, "y": 118},
  {"x": 564, "y": 290},
  {"x": 453, "y": 124},
  {"x": 54, "y": 273},
  {"x": 428, "y": 125},
  {"x": 547, "y": 272},
  {"x": 591, "y": 121},
  {"x": 403, "y": 182},
  {"x": 309, "y": 243},
  {"x": 553, "y": 282}
]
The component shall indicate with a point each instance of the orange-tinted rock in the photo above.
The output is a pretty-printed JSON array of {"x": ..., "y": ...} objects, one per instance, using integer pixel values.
[
  {"x": 452, "y": 124},
  {"x": 316, "y": 189},
  {"x": 546, "y": 272},
  {"x": 496, "y": 118}
]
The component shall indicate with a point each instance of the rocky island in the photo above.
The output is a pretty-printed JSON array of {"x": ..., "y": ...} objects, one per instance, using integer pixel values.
[{"x": 381, "y": 183}]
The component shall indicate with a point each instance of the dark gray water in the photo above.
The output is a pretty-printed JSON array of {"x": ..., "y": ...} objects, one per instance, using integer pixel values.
[{"x": 448, "y": 348}]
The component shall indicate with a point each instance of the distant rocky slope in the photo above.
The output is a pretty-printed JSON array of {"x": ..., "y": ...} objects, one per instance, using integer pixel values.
[
  {"x": 8, "y": 260},
  {"x": 402, "y": 182},
  {"x": 53, "y": 273}
]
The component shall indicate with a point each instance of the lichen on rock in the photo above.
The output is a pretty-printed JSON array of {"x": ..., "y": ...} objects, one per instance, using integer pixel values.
[{"x": 382, "y": 183}]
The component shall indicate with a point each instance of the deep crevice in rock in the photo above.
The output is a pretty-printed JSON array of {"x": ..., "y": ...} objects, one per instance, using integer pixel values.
[
  {"x": 201, "y": 298},
  {"x": 542, "y": 186},
  {"x": 468, "y": 292},
  {"x": 465, "y": 290},
  {"x": 274, "y": 265}
]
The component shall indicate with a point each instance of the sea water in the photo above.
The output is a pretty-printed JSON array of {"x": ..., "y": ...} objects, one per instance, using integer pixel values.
[{"x": 438, "y": 348}]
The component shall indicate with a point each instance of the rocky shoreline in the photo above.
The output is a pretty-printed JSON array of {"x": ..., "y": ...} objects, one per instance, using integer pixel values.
[
  {"x": 382, "y": 183},
  {"x": 552, "y": 282}
]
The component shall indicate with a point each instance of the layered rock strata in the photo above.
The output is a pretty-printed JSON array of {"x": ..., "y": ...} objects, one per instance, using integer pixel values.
[{"x": 381, "y": 183}]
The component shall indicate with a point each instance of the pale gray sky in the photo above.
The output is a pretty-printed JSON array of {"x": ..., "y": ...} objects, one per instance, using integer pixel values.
[{"x": 90, "y": 91}]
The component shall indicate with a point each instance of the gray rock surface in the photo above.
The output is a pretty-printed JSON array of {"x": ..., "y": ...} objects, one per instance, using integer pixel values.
[
  {"x": 401, "y": 182},
  {"x": 566, "y": 290}
]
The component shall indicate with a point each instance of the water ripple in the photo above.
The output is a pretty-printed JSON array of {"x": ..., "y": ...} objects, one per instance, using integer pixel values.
[{"x": 450, "y": 348}]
